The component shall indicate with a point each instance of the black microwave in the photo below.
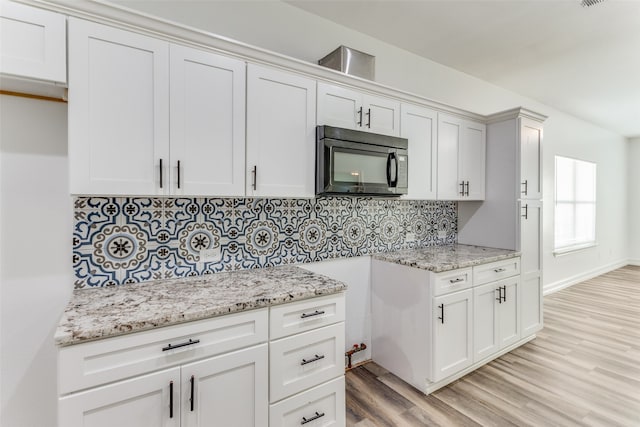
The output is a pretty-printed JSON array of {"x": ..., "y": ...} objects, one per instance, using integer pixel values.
[{"x": 351, "y": 162}]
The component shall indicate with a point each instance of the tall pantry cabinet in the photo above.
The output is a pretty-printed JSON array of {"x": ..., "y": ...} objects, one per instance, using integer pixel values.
[{"x": 511, "y": 215}]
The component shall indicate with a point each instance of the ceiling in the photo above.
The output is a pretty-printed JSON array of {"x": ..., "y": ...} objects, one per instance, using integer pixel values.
[{"x": 584, "y": 61}]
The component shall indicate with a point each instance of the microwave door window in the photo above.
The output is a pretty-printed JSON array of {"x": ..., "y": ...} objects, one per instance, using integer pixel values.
[{"x": 360, "y": 169}]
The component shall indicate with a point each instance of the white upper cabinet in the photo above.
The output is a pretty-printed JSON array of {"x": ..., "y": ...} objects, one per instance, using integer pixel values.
[
  {"x": 118, "y": 111},
  {"x": 281, "y": 111},
  {"x": 32, "y": 43},
  {"x": 350, "y": 109},
  {"x": 419, "y": 126},
  {"x": 207, "y": 123},
  {"x": 150, "y": 118},
  {"x": 461, "y": 159},
  {"x": 530, "y": 159}
]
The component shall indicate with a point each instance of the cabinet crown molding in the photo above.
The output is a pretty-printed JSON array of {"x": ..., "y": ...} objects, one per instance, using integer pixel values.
[{"x": 515, "y": 113}]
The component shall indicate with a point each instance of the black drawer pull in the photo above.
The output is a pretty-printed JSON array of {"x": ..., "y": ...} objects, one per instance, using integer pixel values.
[
  {"x": 315, "y": 359},
  {"x": 315, "y": 417},
  {"x": 184, "y": 344},
  {"x": 459, "y": 279},
  {"x": 315, "y": 313},
  {"x": 499, "y": 270}
]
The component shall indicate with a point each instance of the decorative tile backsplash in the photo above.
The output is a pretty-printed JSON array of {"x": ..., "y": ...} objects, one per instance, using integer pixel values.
[{"x": 124, "y": 240}]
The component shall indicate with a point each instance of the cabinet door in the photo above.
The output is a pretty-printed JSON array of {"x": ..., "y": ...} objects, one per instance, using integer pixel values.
[
  {"x": 472, "y": 158},
  {"x": 207, "y": 123},
  {"x": 530, "y": 246},
  {"x": 229, "y": 390},
  {"x": 339, "y": 107},
  {"x": 531, "y": 307},
  {"x": 452, "y": 344},
  {"x": 530, "y": 159},
  {"x": 486, "y": 339},
  {"x": 118, "y": 111},
  {"x": 381, "y": 115},
  {"x": 32, "y": 43},
  {"x": 449, "y": 135},
  {"x": 509, "y": 325},
  {"x": 142, "y": 401},
  {"x": 419, "y": 125},
  {"x": 281, "y": 113}
]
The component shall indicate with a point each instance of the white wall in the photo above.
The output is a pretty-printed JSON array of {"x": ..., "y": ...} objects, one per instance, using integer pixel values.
[
  {"x": 35, "y": 256},
  {"x": 288, "y": 30},
  {"x": 633, "y": 167}
]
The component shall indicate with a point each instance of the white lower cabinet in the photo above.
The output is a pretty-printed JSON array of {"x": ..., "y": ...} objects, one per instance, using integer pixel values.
[
  {"x": 496, "y": 323},
  {"x": 452, "y": 333},
  {"x": 214, "y": 372},
  {"x": 320, "y": 406},
  {"x": 143, "y": 401},
  {"x": 431, "y": 328}
]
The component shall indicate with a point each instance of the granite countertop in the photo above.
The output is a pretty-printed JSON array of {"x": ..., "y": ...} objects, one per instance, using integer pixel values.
[
  {"x": 444, "y": 258},
  {"x": 105, "y": 312}
]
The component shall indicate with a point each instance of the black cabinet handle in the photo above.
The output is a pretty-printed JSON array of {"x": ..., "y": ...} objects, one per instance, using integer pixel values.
[
  {"x": 170, "y": 399},
  {"x": 178, "y": 173},
  {"x": 504, "y": 296},
  {"x": 462, "y": 188},
  {"x": 441, "y": 307},
  {"x": 315, "y": 313},
  {"x": 192, "y": 398},
  {"x": 500, "y": 270},
  {"x": 184, "y": 344},
  {"x": 315, "y": 359},
  {"x": 526, "y": 187},
  {"x": 526, "y": 211},
  {"x": 160, "y": 173},
  {"x": 459, "y": 279},
  {"x": 360, "y": 114},
  {"x": 369, "y": 118},
  {"x": 254, "y": 175},
  {"x": 315, "y": 417},
  {"x": 499, "y": 299},
  {"x": 467, "y": 192}
]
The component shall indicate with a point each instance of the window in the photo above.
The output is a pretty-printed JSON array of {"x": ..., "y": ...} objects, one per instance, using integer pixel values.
[{"x": 575, "y": 213}]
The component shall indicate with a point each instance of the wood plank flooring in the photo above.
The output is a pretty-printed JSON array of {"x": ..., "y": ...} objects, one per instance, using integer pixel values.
[{"x": 583, "y": 369}]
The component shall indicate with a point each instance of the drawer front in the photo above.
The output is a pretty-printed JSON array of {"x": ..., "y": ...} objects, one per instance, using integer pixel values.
[
  {"x": 493, "y": 271},
  {"x": 293, "y": 318},
  {"x": 320, "y": 406},
  {"x": 99, "y": 362},
  {"x": 305, "y": 360},
  {"x": 451, "y": 281}
]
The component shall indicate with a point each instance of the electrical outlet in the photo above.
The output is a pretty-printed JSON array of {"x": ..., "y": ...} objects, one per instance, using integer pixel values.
[
  {"x": 210, "y": 255},
  {"x": 442, "y": 234},
  {"x": 410, "y": 237}
]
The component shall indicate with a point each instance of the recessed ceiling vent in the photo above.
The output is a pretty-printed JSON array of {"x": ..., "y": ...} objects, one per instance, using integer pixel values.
[{"x": 589, "y": 3}]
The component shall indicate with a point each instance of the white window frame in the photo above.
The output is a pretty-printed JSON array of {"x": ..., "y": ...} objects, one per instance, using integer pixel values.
[{"x": 578, "y": 244}]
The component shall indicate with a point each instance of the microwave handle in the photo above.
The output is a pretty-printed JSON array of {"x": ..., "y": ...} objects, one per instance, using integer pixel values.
[{"x": 392, "y": 183}]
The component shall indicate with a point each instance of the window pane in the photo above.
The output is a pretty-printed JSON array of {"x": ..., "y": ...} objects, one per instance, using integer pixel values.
[
  {"x": 585, "y": 221},
  {"x": 564, "y": 230},
  {"x": 585, "y": 181},
  {"x": 564, "y": 179}
]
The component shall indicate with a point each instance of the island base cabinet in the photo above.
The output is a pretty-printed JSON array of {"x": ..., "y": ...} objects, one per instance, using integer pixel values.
[
  {"x": 452, "y": 333},
  {"x": 320, "y": 406},
  {"x": 229, "y": 390},
  {"x": 142, "y": 401}
]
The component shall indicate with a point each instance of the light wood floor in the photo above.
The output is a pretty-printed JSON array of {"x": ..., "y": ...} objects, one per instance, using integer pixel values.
[{"x": 583, "y": 369}]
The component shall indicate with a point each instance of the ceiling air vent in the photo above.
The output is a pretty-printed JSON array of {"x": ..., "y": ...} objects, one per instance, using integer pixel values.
[{"x": 589, "y": 3}]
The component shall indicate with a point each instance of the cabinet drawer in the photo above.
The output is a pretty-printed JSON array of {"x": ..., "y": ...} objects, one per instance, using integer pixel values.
[
  {"x": 305, "y": 360},
  {"x": 320, "y": 406},
  {"x": 289, "y": 319},
  {"x": 451, "y": 281},
  {"x": 99, "y": 362},
  {"x": 486, "y": 273}
]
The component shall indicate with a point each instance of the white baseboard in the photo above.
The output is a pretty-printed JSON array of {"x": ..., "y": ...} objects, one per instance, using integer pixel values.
[
  {"x": 565, "y": 283},
  {"x": 634, "y": 262}
]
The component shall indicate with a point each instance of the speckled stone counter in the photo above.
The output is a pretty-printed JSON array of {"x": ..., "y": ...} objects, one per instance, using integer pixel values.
[
  {"x": 444, "y": 258},
  {"x": 105, "y": 312}
]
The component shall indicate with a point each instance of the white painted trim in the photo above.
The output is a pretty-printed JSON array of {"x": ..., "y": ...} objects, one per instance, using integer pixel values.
[
  {"x": 569, "y": 281},
  {"x": 574, "y": 248},
  {"x": 634, "y": 262},
  {"x": 515, "y": 113}
]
